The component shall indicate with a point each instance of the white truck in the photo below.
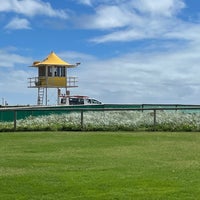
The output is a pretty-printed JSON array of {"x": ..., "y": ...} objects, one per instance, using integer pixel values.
[{"x": 77, "y": 100}]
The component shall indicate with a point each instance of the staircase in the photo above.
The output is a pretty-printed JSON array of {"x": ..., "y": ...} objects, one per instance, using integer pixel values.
[{"x": 40, "y": 96}]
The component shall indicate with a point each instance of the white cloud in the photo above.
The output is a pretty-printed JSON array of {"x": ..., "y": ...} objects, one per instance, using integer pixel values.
[
  {"x": 132, "y": 13},
  {"x": 123, "y": 35},
  {"x": 184, "y": 30},
  {"x": 138, "y": 19},
  {"x": 156, "y": 7},
  {"x": 170, "y": 76},
  {"x": 18, "y": 23},
  {"x": 111, "y": 17},
  {"x": 10, "y": 59},
  {"x": 14, "y": 73},
  {"x": 31, "y": 8},
  {"x": 166, "y": 8},
  {"x": 156, "y": 29},
  {"x": 14, "y": 88}
]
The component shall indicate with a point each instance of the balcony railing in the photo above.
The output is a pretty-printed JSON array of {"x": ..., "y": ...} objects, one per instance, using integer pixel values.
[
  {"x": 51, "y": 82},
  {"x": 33, "y": 82},
  {"x": 72, "y": 82}
]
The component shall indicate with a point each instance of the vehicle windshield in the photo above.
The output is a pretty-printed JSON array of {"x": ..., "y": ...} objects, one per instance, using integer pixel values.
[
  {"x": 76, "y": 101},
  {"x": 93, "y": 101}
]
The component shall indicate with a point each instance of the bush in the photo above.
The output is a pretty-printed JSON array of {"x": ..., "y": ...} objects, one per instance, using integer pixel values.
[{"x": 109, "y": 121}]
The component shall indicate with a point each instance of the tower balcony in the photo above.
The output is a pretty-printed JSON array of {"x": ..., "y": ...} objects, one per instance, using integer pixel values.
[{"x": 52, "y": 82}]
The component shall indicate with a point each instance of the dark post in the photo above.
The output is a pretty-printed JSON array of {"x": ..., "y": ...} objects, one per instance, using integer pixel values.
[
  {"x": 81, "y": 119},
  {"x": 15, "y": 120},
  {"x": 154, "y": 119}
]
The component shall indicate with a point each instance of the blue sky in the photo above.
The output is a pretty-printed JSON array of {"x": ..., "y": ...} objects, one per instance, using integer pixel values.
[{"x": 131, "y": 51}]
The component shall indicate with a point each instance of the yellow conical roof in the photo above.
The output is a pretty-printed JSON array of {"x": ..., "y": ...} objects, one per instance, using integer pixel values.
[{"x": 52, "y": 59}]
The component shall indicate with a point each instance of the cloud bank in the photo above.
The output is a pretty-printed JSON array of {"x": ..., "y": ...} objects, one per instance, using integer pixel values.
[
  {"x": 124, "y": 21},
  {"x": 164, "y": 69}
]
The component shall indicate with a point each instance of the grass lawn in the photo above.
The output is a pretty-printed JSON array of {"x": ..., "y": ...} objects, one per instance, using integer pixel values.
[{"x": 99, "y": 165}]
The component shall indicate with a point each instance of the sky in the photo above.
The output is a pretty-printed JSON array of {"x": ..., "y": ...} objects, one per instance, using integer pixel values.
[{"x": 131, "y": 51}]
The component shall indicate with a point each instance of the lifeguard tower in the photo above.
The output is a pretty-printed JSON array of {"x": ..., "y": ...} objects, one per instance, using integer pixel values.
[{"x": 52, "y": 73}]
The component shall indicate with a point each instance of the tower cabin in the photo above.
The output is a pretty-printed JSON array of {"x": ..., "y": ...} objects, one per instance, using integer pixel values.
[{"x": 52, "y": 73}]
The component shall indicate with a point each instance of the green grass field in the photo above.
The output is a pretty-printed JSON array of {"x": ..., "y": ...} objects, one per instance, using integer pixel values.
[{"x": 99, "y": 165}]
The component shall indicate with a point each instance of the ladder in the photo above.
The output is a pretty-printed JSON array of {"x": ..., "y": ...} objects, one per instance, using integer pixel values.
[{"x": 40, "y": 96}]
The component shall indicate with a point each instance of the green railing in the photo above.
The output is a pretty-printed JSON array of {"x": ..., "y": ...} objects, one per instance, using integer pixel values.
[
  {"x": 6, "y": 113},
  {"x": 16, "y": 113}
]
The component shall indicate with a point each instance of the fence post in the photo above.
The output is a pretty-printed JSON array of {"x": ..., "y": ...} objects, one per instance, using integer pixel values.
[
  {"x": 15, "y": 120},
  {"x": 154, "y": 119},
  {"x": 81, "y": 119}
]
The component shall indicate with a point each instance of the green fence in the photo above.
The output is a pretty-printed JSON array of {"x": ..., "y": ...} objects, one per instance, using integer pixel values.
[
  {"x": 11, "y": 113},
  {"x": 16, "y": 113}
]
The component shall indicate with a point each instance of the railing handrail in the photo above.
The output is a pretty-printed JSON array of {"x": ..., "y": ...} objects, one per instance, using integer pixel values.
[{"x": 94, "y": 109}]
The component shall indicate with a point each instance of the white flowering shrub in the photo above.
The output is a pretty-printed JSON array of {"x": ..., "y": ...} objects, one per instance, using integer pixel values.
[
  {"x": 6, "y": 126},
  {"x": 109, "y": 120},
  {"x": 178, "y": 121},
  {"x": 51, "y": 122},
  {"x": 115, "y": 120}
]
